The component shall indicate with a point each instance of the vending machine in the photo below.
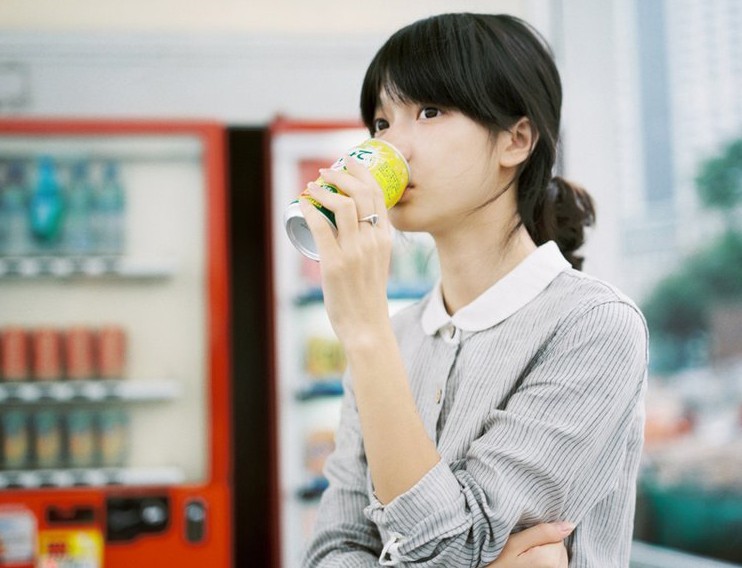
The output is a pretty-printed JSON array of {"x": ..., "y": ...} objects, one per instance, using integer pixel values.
[
  {"x": 115, "y": 434},
  {"x": 308, "y": 358}
]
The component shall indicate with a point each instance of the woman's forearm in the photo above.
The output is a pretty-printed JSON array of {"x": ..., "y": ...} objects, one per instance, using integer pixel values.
[{"x": 398, "y": 450}]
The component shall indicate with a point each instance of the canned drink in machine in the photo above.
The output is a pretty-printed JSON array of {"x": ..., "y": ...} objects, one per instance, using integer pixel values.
[
  {"x": 78, "y": 353},
  {"x": 14, "y": 354},
  {"x": 388, "y": 167},
  {"x": 46, "y": 354},
  {"x": 111, "y": 352}
]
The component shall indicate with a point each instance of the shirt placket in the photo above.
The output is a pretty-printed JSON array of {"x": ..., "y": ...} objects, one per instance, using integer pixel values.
[{"x": 451, "y": 336}]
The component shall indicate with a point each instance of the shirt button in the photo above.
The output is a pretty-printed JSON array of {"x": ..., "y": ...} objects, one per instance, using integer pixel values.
[
  {"x": 449, "y": 333},
  {"x": 438, "y": 395}
]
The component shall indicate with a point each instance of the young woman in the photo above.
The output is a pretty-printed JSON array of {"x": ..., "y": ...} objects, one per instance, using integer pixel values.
[{"x": 512, "y": 394}]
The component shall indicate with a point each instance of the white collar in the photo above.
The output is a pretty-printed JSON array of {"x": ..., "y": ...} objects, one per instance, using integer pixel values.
[{"x": 503, "y": 298}]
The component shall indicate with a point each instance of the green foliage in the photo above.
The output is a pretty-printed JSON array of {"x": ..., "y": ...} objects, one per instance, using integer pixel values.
[
  {"x": 678, "y": 310},
  {"x": 719, "y": 269},
  {"x": 678, "y": 307},
  {"x": 680, "y": 304},
  {"x": 719, "y": 182}
]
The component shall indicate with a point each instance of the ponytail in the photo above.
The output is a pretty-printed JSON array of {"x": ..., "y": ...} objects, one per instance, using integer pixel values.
[{"x": 562, "y": 215}]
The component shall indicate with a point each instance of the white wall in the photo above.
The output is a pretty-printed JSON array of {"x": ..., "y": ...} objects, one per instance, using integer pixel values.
[
  {"x": 591, "y": 119},
  {"x": 232, "y": 78},
  {"x": 236, "y": 61},
  {"x": 316, "y": 17}
]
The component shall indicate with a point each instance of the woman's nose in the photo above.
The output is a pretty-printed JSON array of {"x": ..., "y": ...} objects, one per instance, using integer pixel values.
[{"x": 402, "y": 143}]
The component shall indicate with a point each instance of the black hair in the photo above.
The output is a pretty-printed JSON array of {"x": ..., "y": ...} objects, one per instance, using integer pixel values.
[{"x": 495, "y": 69}]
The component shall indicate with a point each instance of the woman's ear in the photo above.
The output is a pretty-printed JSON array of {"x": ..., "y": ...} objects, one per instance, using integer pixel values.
[{"x": 518, "y": 142}]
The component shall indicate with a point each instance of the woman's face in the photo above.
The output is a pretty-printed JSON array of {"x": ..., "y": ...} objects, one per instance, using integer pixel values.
[{"x": 454, "y": 165}]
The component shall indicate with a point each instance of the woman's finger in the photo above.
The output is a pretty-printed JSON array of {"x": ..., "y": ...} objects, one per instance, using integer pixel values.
[
  {"x": 362, "y": 173},
  {"x": 358, "y": 170},
  {"x": 545, "y": 533},
  {"x": 358, "y": 190},
  {"x": 324, "y": 238},
  {"x": 344, "y": 208},
  {"x": 545, "y": 556},
  {"x": 540, "y": 546}
]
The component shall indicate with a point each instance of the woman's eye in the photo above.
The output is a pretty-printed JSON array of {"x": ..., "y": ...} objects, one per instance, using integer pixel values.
[
  {"x": 429, "y": 112},
  {"x": 380, "y": 124}
]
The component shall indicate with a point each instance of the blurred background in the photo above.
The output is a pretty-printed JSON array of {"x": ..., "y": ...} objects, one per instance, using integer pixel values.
[{"x": 652, "y": 127}]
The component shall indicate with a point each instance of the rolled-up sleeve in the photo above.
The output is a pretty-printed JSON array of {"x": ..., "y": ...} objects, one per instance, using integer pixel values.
[
  {"x": 553, "y": 451},
  {"x": 343, "y": 537}
]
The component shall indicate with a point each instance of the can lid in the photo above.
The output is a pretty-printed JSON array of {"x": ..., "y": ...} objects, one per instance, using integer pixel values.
[{"x": 299, "y": 232}]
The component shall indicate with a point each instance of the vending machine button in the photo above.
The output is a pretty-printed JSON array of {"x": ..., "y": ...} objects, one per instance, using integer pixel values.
[{"x": 195, "y": 517}]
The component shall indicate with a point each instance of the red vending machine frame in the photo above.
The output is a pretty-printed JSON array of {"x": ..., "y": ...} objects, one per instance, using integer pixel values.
[{"x": 85, "y": 508}]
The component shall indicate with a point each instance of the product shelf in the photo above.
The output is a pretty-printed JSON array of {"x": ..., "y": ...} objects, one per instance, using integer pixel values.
[
  {"x": 395, "y": 291},
  {"x": 85, "y": 267},
  {"x": 314, "y": 388},
  {"x": 313, "y": 489},
  {"x": 89, "y": 391},
  {"x": 91, "y": 477}
]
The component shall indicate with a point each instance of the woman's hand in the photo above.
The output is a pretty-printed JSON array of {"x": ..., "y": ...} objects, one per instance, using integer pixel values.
[
  {"x": 541, "y": 546},
  {"x": 355, "y": 265}
]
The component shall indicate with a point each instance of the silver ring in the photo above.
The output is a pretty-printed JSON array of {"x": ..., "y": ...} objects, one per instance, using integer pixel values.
[{"x": 372, "y": 219}]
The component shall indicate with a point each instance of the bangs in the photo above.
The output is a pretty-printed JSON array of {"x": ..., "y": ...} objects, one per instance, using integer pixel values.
[{"x": 440, "y": 62}]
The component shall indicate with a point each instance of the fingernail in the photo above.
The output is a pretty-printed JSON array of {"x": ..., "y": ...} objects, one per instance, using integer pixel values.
[{"x": 566, "y": 527}]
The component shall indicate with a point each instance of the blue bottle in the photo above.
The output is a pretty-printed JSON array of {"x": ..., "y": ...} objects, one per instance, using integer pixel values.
[
  {"x": 15, "y": 232},
  {"x": 78, "y": 235},
  {"x": 46, "y": 209},
  {"x": 109, "y": 205}
]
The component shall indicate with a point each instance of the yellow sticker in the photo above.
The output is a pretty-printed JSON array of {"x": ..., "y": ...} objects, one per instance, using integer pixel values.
[{"x": 70, "y": 549}]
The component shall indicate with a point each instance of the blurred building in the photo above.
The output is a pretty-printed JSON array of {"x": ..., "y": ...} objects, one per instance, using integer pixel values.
[{"x": 679, "y": 65}]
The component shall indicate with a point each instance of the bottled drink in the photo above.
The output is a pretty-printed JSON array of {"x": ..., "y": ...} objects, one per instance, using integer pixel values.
[
  {"x": 78, "y": 238},
  {"x": 14, "y": 439},
  {"x": 109, "y": 204},
  {"x": 112, "y": 437},
  {"x": 47, "y": 207},
  {"x": 47, "y": 439},
  {"x": 15, "y": 233},
  {"x": 81, "y": 438}
]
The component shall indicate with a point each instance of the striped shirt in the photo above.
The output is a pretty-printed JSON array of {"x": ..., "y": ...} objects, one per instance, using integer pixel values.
[{"x": 533, "y": 394}]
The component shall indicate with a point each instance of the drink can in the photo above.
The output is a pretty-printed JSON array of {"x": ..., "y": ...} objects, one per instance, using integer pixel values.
[
  {"x": 111, "y": 352},
  {"x": 78, "y": 353},
  {"x": 14, "y": 438},
  {"x": 386, "y": 164},
  {"x": 14, "y": 354},
  {"x": 46, "y": 361},
  {"x": 112, "y": 435},
  {"x": 81, "y": 438},
  {"x": 47, "y": 439}
]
